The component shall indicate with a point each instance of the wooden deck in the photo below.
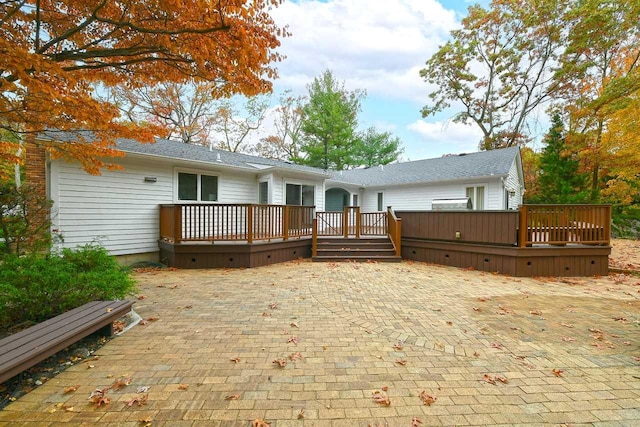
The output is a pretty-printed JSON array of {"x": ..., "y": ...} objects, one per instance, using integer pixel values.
[{"x": 537, "y": 240}]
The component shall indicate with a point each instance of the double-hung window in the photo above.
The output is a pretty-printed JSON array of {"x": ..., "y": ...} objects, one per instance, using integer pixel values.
[
  {"x": 197, "y": 187},
  {"x": 476, "y": 194}
]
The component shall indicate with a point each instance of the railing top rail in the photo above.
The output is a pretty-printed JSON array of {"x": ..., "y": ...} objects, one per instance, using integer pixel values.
[{"x": 565, "y": 205}]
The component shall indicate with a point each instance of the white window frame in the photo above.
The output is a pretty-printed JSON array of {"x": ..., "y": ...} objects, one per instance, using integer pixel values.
[
  {"x": 485, "y": 198},
  {"x": 199, "y": 173},
  {"x": 380, "y": 203},
  {"x": 268, "y": 182},
  {"x": 301, "y": 184}
]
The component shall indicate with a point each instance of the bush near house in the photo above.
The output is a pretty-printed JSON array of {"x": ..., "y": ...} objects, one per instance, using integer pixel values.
[{"x": 36, "y": 287}]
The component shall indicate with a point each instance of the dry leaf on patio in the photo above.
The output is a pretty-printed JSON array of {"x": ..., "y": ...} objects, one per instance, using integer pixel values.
[
  {"x": 449, "y": 322},
  {"x": 139, "y": 401},
  {"x": 568, "y": 339},
  {"x": 235, "y": 360},
  {"x": 557, "y": 372},
  {"x": 98, "y": 397},
  {"x": 152, "y": 318},
  {"x": 398, "y": 346},
  {"x": 265, "y": 314},
  {"x": 143, "y": 389},
  {"x": 259, "y": 422},
  {"x": 385, "y": 388},
  {"x": 401, "y": 362},
  {"x": 476, "y": 309},
  {"x": 301, "y": 414},
  {"x": 381, "y": 399},
  {"x": 502, "y": 379},
  {"x": 496, "y": 345},
  {"x": 566, "y": 325},
  {"x": 232, "y": 397},
  {"x": 535, "y": 312},
  {"x": 273, "y": 305},
  {"x": 476, "y": 354},
  {"x": 293, "y": 339},
  {"x": 146, "y": 421},
  {"x": 183, "y": 387},
  {"x": 415, "y": 422},
  {"x": 427, "y": 398},
  {"x": 293, "y": 325},
  {"x": 488, "y": 379},
  {"x": 280, "y": 362},
  {"x": 71, "y": 389},
  {"x": 295, "y": 356},
  {"x": 121, "y": 383}
]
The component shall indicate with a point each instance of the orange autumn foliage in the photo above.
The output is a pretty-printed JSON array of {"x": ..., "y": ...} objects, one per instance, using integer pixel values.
[{"x": 55, "y": 53}]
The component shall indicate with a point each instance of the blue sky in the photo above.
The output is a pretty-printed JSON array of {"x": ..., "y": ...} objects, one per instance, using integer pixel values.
[{"x": 378, "y": 46}]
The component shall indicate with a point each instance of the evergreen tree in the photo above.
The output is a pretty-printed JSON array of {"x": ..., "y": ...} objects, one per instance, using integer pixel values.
[
  {"x": 560, "y": 180},
  {"x": 329, "y": 122},
  {"x": 377, "y": 148}
]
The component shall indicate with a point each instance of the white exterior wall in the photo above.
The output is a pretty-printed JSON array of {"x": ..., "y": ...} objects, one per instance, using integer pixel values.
[
  {"x": 419, "y": 197},
  {"x": 280, "y": 184},
  {"x": 513, "y": 183}
]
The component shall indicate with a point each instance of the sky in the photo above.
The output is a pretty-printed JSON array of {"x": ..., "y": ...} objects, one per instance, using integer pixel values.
[{"x": 379, "y": 46}]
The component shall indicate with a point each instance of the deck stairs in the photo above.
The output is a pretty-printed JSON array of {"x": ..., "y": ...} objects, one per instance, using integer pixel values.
[{"x": 338, "y": 249}]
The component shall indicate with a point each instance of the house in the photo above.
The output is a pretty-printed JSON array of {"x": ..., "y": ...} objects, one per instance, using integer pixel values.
[
  {"x": 493, "y": 180},
  {"x": 120, "y": 209}
]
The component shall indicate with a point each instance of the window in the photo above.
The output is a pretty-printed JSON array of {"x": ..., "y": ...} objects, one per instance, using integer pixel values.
[
  {"x": 380, "y": 201},
  {"x": 263, "y": 192},
  {"x": 192, "y": 185},
  {"x": 355, "y": 200},
  {"x": 476, "y": 194},
  {"x": 300, "y": 195}
]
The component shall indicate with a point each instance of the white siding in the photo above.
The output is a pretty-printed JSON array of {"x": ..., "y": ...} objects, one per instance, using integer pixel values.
[
  {"x": 117, "y": 209},
  {"x": 419, "y": 197},
  {"x": 513, "y": 183}
]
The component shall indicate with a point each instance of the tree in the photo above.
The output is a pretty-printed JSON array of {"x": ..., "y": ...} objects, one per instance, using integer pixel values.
[
  {"x": 560, "y": 180},
  {"x": 234, "y": 121},
  {"x": 497, "y": 68},
  {"x": 284, "y": 144},
  {"x": 183, "y": 111},
  {"x": 54, "y": 52},
  {"x": 329, "y": 122},
  {"x": 599, "y": 74},
  {"x": 377, "y": 148}
]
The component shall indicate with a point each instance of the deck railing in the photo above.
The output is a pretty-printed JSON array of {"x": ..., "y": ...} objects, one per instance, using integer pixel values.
[
  {"x": 395, "y": 230},
  {"x": 351, "y": 222},
  {"x": 234, "y": 222},
  {"x": 563, "y": 224}
]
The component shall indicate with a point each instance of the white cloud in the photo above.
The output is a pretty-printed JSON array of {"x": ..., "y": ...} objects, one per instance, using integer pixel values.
[
  {"x": 377, "y": 45},
  {"x": 438, "y": 138}
]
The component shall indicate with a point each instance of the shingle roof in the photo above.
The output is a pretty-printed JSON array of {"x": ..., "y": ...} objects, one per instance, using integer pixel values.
[
  {"x": 449, "y": 168},
  {"x": 173, "y": 149}
]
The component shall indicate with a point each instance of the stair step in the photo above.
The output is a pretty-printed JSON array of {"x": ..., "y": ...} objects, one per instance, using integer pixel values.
[
  {"x": 355, "y": 246},
  {"x": 356, "y": 259},
  {"x": 347, "y": 252}
]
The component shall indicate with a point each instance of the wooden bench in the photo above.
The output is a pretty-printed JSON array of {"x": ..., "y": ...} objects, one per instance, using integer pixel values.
[{"x": 26, "y": 348}]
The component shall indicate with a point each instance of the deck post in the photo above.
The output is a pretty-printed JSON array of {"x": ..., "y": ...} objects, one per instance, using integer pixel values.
[
  {"x": 358, "y": 222},
  {"x": 398, "y": 236},
  {"x": 345, "y": 222},
  {"x": 250, "y": 224},
  {"x": 285, "y": 223},
  {"x": 522, "y": 230},
  {"x": 314, "y": 237},
  {"x": 177, "y": 223}
]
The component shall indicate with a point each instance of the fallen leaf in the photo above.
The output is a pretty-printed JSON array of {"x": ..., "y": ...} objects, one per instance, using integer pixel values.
[
  {"x": 401, "y": 362},
  {"x": 476, "y": 354},
  {"x": 120, "y": 383},
  {"x": 502, "y": 379},
  {"x": 232, "y": 397},
  {"x": 141, "y": 297},
  {"x": 265, "y": 314},
  {"x": 109, "y": 309},
  {"x": 143, "y": 389},
  {"x": 568, "y": 339},
  {"x": 295, "y": 356},
  {"x": 476, "y": 309},
  {"x": 301, "y": 414},
  {"x": 146, "y": 421},
  {"x": 98, "y": 397},
  {"x": 71, "y": 389},
  {"x": 235, "y": 360},
  {"x": 488, "y": 379},
  {"x": 535, "y": 312},
  {"x": 496, "y": 345},
  {"x": 273, "y": 305},
  {"x": 427, "y": 398},
  {"x": 415, "y": 422},
  {"x": 280, "y": 362},
  {"x": 293, "y": 325},
  {"x": 139, "y": 401},
  {"x": 258, "y": 422},
  {"x": 381, "y": 398},
  {"x": 557, "y": 372},
  {"x": 398, "y": 346},
  {"x": 183, "y": 387},
  {"x": 152, "y": 318},
  {"x": 566, "y": 325},
  {"x": 293, "y": 339}
]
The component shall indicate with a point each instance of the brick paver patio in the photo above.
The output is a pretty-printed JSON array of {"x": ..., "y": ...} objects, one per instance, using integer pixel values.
[{"x": 392, "y": 330}]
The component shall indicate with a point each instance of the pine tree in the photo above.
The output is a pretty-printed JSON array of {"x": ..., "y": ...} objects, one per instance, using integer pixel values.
[{"x": 560, "y": 179}]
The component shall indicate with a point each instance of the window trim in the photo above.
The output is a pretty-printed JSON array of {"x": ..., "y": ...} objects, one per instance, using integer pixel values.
[
  {"x": 299, "y": 184},
  {"x": 198, "y": 173},
  {"x": 265, "y": 181},
  {"x": 380, "y": 201},
  {"x": 485, "y": 198}
]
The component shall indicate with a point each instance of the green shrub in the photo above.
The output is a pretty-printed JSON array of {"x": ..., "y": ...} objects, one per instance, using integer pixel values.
[
  {"x": 37, "y": 287},
  {"x": 626, "y": 222}
]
